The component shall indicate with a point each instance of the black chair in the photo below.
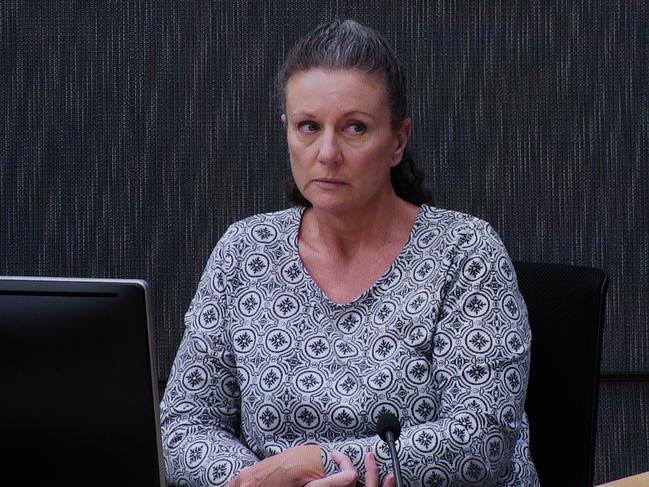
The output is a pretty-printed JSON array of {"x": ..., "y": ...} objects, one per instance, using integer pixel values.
[{"x": 566, "y": 312}]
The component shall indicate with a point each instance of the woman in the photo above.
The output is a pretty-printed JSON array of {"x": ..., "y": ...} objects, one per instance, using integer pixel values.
[{"x": 310, "y": 322}]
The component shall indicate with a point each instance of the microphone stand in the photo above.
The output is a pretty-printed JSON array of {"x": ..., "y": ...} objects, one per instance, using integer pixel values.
[{"x": 390, "y": 440}]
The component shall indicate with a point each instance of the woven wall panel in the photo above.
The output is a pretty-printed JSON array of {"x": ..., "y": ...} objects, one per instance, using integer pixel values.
[
  {"x": 133, "y": 133},
  {"x": 623, "y": 432}
]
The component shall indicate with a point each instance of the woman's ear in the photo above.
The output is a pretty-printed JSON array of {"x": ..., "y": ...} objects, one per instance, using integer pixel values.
[
  {"x": 402, "y": 136},
  {"x": 283, "y": 117}
]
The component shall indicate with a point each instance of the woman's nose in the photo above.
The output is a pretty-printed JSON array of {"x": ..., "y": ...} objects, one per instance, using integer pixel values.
[{"x": 329, "y": 151}]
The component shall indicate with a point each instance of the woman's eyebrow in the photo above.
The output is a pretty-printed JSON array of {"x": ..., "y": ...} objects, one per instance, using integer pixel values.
[
  {"x": 351, "y": 112},
  {"x": 361, "y": 112},
  {"x": 302, "y": 114}
]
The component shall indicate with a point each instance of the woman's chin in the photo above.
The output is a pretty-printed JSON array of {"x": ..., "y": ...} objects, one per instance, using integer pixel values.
[{"x": 329, "y": 204}]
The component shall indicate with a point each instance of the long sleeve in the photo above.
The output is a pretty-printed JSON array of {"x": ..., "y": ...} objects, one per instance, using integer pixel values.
[
  {"x": 464, "y": 428},
  {"x": 200, "y": 410}
]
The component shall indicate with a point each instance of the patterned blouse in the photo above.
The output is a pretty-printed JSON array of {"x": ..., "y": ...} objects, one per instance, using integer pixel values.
[{"x": 268, "y": 361}]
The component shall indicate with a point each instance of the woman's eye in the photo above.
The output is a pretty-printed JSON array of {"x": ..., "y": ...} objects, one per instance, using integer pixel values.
[
  {"x": 357, "y": 128},
  {"x": 307, "y": 127}
]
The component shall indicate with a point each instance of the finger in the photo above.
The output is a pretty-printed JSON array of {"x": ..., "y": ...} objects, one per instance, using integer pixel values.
[
  {"x": 371, "y": 471},
  {"x": 340, "y": 479},
  {"x": 343, "y": 461},
  {"x": 347, "y": 476},
  {"x": 389, "y": 481}
]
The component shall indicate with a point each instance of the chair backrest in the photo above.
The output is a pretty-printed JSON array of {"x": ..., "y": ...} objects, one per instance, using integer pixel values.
[{"x": 566, "y": 312}]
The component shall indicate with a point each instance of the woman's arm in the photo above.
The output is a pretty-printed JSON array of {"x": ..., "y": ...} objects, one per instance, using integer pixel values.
[{"x": 200, "y": 410}]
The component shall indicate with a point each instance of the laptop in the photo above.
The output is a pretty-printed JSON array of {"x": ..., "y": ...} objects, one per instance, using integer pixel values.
[{"x": 78, "y": 383}]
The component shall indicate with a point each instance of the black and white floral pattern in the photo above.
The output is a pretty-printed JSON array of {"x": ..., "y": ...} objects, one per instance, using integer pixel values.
[{"x": 267, "y": 361}]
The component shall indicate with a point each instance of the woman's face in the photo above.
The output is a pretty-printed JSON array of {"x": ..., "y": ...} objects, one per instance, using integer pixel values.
[{"x": 340, "y": 140}]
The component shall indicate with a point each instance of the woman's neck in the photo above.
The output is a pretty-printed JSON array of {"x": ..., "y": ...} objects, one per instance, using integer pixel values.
[{"x": 346, "y": 234}]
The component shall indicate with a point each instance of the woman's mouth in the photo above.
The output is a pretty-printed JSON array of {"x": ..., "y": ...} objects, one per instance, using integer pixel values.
[{"x": 329, "y": 183}]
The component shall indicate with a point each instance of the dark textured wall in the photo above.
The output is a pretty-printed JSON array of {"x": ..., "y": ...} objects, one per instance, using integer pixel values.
[{"x": 133, "y": 133}]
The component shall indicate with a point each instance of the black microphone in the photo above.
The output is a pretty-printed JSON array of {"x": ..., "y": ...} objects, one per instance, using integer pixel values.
[{"x": 389, "y": 428}]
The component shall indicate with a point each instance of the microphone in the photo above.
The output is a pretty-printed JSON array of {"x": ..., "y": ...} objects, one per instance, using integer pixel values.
[{"x": 389, "y": 429}]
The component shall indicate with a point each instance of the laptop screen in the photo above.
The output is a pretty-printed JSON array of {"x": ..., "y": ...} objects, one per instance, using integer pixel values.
[{"x": 78, "y": 381}]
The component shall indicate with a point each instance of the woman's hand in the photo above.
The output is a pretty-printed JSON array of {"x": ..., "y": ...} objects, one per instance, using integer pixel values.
[
  {"x": 348, "y": 475},
  {"x": 294, "y": 467}
]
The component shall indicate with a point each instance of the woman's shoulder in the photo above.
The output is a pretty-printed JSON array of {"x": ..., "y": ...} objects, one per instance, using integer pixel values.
[
  {"x": 457, "y": 227},
  {"x": 262, "y": 228},
  {"x": 448, "y": 219}
]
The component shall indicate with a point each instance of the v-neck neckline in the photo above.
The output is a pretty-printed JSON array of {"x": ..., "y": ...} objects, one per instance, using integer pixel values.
[{"x": 298, "y": 217}]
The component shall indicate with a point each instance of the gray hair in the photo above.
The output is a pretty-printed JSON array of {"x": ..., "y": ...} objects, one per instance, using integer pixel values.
[{"x": 346, "y": 44}]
